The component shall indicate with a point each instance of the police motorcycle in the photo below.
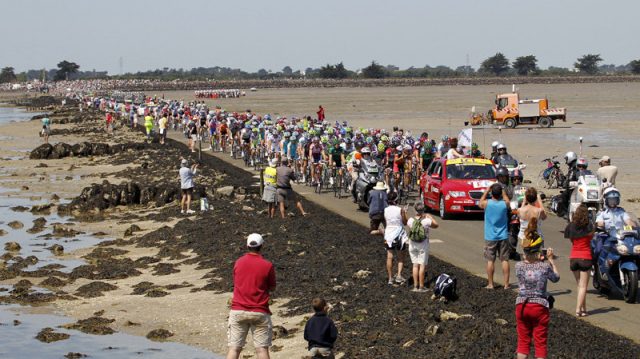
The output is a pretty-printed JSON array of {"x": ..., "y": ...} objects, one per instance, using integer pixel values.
[
  {"x": 368, "y": 175},
  {"x": 616, "y": 257},
  {"x": 587, "y": 190}
]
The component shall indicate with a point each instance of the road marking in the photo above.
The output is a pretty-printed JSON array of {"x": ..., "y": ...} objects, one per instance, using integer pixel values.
[{"x": 435, "y": 241}]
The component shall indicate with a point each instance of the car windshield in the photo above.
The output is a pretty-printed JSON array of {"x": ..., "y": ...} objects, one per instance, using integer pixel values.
[{"x": 470, "y": 171}]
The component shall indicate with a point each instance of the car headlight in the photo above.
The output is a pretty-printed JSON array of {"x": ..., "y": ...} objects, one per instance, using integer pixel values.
[
  {"x": 636, "y": 249},
  {"x": 622, "y": 249},
  {"x": 592, "y": 194},
  {"x": 456, "y": 194}
]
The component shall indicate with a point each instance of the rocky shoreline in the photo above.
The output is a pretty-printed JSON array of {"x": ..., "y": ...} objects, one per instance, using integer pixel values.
[{"x": 160, "y": 254}]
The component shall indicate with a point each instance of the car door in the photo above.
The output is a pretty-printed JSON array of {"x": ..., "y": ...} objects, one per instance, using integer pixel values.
[{"x": 434, "y": 183}]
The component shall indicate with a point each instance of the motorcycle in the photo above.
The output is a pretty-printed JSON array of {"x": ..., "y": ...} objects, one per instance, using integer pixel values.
[
  {"x": 616, "y": 262},
  {"x": 368, "y": 176},
  {"x": 587, "y": 190}
]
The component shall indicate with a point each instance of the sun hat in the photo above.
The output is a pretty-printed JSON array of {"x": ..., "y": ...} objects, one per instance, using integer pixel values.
[
  {"x": 380, "y": 186},
  {"x": 605, "y": 159},
  {"x": 184, "y": 162},
  {"x": 254, "y": 240}
]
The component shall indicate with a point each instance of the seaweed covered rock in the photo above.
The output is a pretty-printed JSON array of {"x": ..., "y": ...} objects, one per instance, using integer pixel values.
[{"x": 41, "y": 152}]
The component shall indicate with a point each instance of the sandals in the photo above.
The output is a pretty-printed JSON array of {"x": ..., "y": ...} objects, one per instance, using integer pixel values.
[{"x": 581, "y": 314}]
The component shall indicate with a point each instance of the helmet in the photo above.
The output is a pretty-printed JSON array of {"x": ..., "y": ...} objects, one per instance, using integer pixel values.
[
  {"x": 611, "y": 197},
  {"x": 293, "y": 138},
  {"x": 494, "y": 144},
  {"x": 365, "y": 150},
  {"x": 381, "y": 147},
  {"x": 474, "y": 146},
  {"x": 517, "y": 174},
  {"x": 303, "y": 140},
  {"x": 445, "y": 138},
  {"x": 347, "y": 140},
  {"x": 384, "y": 138},
  {"x": 315, "y": 139},
  {"x": 570, "y": 157},
  {"x": 287, "y": 134},
  {"x": 582, "y": 162},
  {"x": 255, "y": 129},
  {"x": 407, "y": 147},
  {"x": 399, "y": 148},
  {"x": 324, "y": 139},
  {"x": 501, "y": 147},
  {"x": 502, "y": 171},
  {"x": 369, "y": 140}
]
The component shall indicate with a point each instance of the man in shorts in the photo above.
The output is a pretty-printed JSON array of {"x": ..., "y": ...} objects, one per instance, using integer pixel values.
[
  {"x": 186, "y": 185},
  {"x": 285, "y": 193},
  {"x": 254, "y": 278},
  {"x": 496, "y": 231},
  {"x": 269, "y": 193}
]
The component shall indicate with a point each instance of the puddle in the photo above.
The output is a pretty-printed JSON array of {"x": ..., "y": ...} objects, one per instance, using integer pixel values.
[
  {"x": 18, "y": 341},
  {"x": 15, "y": 114}
]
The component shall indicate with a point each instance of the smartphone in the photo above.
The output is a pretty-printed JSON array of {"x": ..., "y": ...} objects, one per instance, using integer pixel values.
[{"x": 544, "y": 254}]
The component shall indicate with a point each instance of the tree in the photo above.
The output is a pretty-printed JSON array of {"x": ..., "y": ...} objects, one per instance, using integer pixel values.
[
  {"x": 7, "y": 75},
  {"x": 65, "y": 68},
  {"x": 497, "y": 64},
  {"x": 287, "y": 71},
  {"x": 374, "y": 71},
  {"x": 337, "y": 71},
  {"x": 526, "y": 65},
  {"x": 635, "y": 66},
  {"x": 588, "y": 63}
]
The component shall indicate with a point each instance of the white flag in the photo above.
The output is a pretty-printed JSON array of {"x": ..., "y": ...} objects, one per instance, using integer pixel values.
[{"x": 465, "y": 138}]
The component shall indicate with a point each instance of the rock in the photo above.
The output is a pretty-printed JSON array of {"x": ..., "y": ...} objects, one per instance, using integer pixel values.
[
  {"x": 55, "y": 198},
  {"x": 47, "y": 335},
  {"x": 56, "y": 249},
  {"x": 279, "y": 332},
  {"x": 53, "y": 282},
  {"x": 409, "y": 343},
  {"x": 19, "y": 208},
  {"x": 94, "y": 289},
  {"x": 361, "y": 274},
  {"x": 92, "y": 325},
  {"x": 23, "y": 285},
  {"x": 41, "y": 152},
  {"x": 159, "y": 335},
  {"x": 434, "y": 329},
  {"x": 41, "y": 165},
  {"x": 133, "y": 228},
  {"x": 74, "y": 355},
  {"x": 25, "y": 188},
  {"x": 501, "y": 321},
  {"x": 446, "y": 315},
  {"x": 12, "y": 246},
  {"x": 247, "y": 208},
  {"x": 82, "y": 149},
  {"x": 15, "y": 224},
  {"x": 99, "y": 149},
  {"x": 16, "y": 322},
  {"x": 60, "y": 150},
  {"x": 41, "y": 209},
  {"x": 3, "y": 232},
  {"x": 60, "y": 230},
  {"x": 226, "y": 191},
  {"x": 240, "y": 197},
  {"x": 338, "y": 288}
]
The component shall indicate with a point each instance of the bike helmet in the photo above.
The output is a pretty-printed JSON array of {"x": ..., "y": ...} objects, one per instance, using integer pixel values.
[
  {"x": 369, "y": 140},
  {"x": 611, "y": 197},
  {"x": 570, "y": 157},
  {"x": 502, "y": 171},
  {"x": 255, "y": 129},
  {"x": 501, "y": 147},
  {"x": 365, "y": 151},
  {"x": 324, "y": 139},
  {"x": 399, "y": 148},
  {"x": 315, "y": 139},
  {"x": 474, "y": 146},
  {"x": 384, "y": 138},
  {"x": 445, "y": 138},
  {"x": 347, "y": 140},
  {"x": 516, "y": 174},
  {"x": 582, "y": 162},
  {"x": 494, "y": 144},
  {"x": 381, "y": 147},
  {"x": 303, "y": 140}
]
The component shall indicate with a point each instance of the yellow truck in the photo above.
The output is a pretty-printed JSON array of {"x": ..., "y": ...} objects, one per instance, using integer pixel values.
[{"x": 511, "y": 110}]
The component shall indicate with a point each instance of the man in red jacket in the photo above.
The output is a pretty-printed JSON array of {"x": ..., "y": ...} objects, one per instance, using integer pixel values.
[
  {"x": 253, "y": 279},
  {"x": 320, "y": 113}
]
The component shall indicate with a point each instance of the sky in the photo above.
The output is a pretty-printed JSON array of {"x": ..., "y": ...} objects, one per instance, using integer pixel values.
[{"x": 255, "y": 34}]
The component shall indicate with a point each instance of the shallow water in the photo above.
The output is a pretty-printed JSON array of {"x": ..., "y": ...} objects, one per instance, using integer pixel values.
[
  {"x": 11, "y": 114},
  {"x": 18, "y": 341}
]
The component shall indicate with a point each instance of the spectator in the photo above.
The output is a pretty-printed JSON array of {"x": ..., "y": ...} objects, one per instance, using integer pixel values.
[
  {"x": 531, "y": 208},
  {"x": 253, "y": 280},
  {"x": 377, "y": 203},
  {"x": 283, "y": 182},
  {"x": 320, "y": 332},
  {"x": 395, "y": 237},
  {"x": 419, "y": 245},
  {"x": 270, "y": 188},
  {"x": 186, "y": 185},
  {"x": 496, "y": 232},
  {"x": 162, "y": 125},
  {"x": 580, "y": 231},
  {"x": 607, "y": 171},
  {"x": 320, "y": 113},
  {"x": 532, "y": 303}
]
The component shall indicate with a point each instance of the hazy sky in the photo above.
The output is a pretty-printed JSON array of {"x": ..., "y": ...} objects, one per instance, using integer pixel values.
[{"x": 254, "y": 34}]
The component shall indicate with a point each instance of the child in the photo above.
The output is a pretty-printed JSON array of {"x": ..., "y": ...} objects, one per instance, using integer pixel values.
[{"x": 320, "y": 331}]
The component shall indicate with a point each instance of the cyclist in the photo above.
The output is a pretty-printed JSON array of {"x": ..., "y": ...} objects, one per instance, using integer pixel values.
[
  {"x": 315, "y": 154},
  {"x": 475, "y": 152},
  {"x": 336, "y": 158},
  {"x": 443, "y": 147}
]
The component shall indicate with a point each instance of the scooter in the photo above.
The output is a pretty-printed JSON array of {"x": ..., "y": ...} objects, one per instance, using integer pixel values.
[
  {"x": 617, "y": 261},
  {"x": 367, "y": 178}
]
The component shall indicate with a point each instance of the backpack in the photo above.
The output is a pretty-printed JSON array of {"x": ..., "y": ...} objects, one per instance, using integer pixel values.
[
  {"x": 446, "y": 286},
  {"x": 417, "y": 232}
]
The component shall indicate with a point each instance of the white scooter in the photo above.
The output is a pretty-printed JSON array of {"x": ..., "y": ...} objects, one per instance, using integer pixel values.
[{"x": 587, "y": 190}]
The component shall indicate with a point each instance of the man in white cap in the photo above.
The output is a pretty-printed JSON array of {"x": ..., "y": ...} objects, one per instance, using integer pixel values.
[
  {"x": 254, "y": 278},
  {"x": 607, "y": 171},
  {"x": 186, "y": 185},
  {"x": 269, "y": 192}
]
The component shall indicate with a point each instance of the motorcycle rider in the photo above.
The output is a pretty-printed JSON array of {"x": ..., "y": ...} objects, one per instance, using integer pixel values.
[
  {"x": 570, "y": 159},
  {"x": 504, "y": 158},
  {"x": 502, "y": 175},
  {"x": 357, "y": 167},
  {"x": 494, "y": 151},
  {"x": 612, "y": 215}
]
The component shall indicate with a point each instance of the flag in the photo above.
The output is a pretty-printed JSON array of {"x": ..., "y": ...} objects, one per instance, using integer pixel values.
[{"x": 465, "y": 137}]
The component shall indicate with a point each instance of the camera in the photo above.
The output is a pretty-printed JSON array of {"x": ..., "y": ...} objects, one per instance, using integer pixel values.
[{"x": 544, "y": 254}]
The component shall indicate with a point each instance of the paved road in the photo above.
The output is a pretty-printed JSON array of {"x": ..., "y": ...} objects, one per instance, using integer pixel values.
[{"x": 460, "y": 242}]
